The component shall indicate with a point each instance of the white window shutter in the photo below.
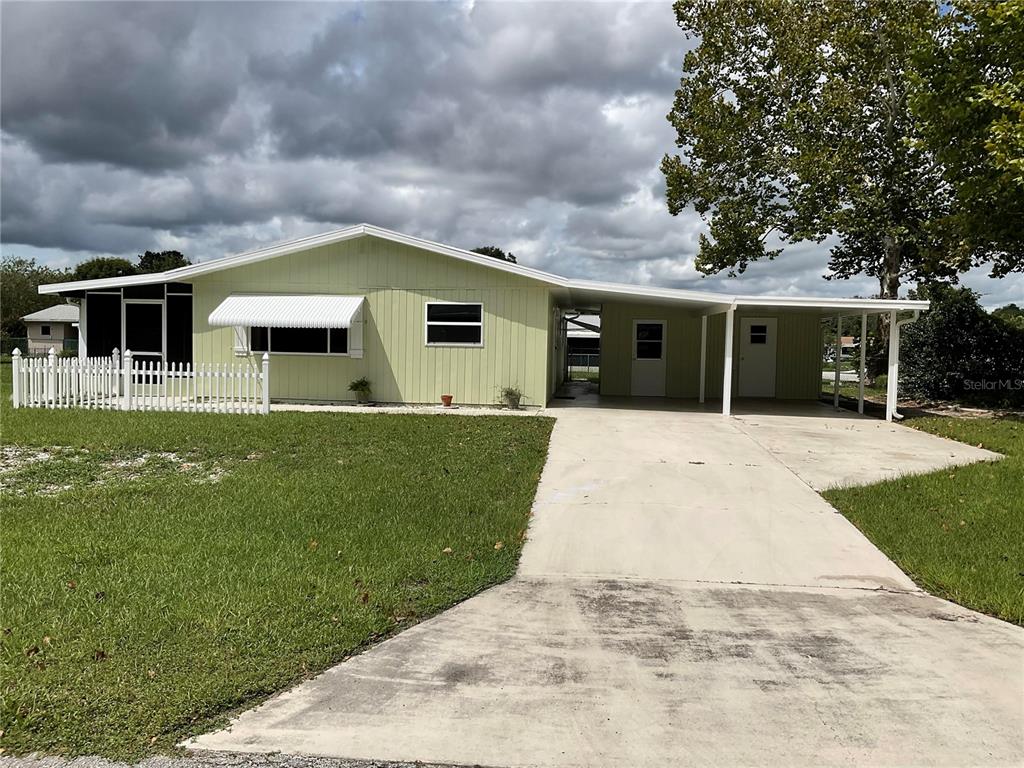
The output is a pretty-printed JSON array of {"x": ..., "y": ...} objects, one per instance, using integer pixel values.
[
  {"x": 355, "y": 334},
  {"x": 241, "y": 340}
]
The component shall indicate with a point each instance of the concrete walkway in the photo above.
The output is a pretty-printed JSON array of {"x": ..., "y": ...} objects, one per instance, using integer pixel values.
[{"x": 685, "y": 598}]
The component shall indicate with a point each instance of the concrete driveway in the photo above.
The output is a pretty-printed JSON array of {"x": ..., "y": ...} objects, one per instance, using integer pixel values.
[{"x": 685, "y": 598}]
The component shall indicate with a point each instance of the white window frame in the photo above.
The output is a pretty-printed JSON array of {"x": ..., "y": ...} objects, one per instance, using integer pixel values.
[
  {"x": 636, "y": 341},
  {"x": 270, "y": 330},
  {"x": 427, "y": 322}
]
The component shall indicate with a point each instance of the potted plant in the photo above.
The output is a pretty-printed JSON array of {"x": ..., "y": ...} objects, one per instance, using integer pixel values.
[
  {"x": 511, "y": 397},
  {"x": 361, "y": 387},
  {"x": 446, "y": 400}
]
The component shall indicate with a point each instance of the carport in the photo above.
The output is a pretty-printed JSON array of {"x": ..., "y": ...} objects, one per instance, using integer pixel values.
[{"x": 664, "y": 342}]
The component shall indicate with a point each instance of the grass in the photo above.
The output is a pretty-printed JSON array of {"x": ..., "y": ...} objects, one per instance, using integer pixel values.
[
  {"x": 957, "y": 533},
  {"x": 161, "y": 570},
  {"x": 852, "y": 389}
]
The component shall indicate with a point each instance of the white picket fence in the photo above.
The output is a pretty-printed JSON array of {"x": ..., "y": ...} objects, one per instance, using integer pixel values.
[{"x": 139, "y": 385}]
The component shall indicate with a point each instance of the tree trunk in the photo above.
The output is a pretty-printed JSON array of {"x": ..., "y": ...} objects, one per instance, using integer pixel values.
[{"x": 888, "y": 288}]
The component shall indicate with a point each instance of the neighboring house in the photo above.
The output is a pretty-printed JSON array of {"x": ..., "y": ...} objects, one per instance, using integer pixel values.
[
  {"x": 420, "y": 319},
  {"x": 582, "y": 342},
  {"x": 55, "y": 328}
]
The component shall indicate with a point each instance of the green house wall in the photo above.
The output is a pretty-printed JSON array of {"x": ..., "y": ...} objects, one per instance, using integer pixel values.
[
  {"x": 798, "y": 361},
  {"x": 397, "y": 281}
]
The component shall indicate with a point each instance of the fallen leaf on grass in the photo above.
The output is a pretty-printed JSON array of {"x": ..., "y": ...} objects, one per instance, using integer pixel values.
[
  {"x": 499, "y": 545},
  {"x": 447, "y": 550}
]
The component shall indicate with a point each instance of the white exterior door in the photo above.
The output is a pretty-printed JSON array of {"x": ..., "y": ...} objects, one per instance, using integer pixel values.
[
  {"x": 757, "y": 356},
  {"x": 648, "y": 375}
]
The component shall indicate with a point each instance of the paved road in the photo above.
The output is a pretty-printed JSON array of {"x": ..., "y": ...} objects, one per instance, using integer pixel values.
[{"x": 685, "y": 598}]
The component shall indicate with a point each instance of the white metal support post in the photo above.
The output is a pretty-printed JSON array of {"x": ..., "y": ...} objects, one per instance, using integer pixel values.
[
  {"x": 703, "y": 353},
  {"x": 894, "y": 366},
  {"x": 727, "y": 368},
  {"x": 838, "y": 356},
  {"x": 16, "y": 372},
  {"x": 863, "y": 360}
]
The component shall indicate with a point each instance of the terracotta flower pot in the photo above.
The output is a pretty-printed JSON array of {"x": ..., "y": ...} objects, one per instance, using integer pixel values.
[{"x": 446, "y": 400}]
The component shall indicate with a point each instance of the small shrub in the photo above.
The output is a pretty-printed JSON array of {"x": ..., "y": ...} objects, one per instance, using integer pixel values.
[
  {"x": 511, "y": 397},
  {"x": 361, "y": 387},
  {"x": 882, "y": 381}
]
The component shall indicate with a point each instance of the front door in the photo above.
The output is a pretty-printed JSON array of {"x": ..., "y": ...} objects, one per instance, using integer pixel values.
[
  {"x": 648, "y": 377},
  {"x": 757, "y": 356}
]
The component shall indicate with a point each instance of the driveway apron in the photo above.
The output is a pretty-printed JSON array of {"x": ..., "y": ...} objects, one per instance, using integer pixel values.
[{"x": 684, "y": 598}]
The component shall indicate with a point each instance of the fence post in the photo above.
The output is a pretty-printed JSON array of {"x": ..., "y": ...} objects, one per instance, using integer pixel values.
[
  {"x": 266, "y": 383},
  {"x": 51, "y": 378},
  {"x": 16, "y": 373},
  {"x": 116, "y": 368},
  {"x": 126, "y": 381}
]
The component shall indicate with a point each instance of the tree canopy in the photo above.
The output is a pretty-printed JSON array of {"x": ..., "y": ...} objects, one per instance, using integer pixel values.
[
  {"x": 102, "y": 267},
  {"x": 798, "y": 121},
  {"x": 495, "y": 252},
  {"x": 19, "y": 281},
  {"x": 161, "y": 261}
]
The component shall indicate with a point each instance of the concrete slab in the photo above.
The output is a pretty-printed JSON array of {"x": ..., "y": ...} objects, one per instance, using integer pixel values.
[
  {"x": 567, "y": 672},
  {"x": 687, "y": 496},
  {"x": 836, "y": 449},
  {"x": 624, "y": 639}
]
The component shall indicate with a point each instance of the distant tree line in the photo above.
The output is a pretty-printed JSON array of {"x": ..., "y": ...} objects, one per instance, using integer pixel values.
[{"x": 20, "y": 279}]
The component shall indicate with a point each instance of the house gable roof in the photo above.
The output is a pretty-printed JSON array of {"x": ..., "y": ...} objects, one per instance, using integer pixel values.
[
  {"x": 582, "y": 292},
  {"x": 58, "y": 313}
]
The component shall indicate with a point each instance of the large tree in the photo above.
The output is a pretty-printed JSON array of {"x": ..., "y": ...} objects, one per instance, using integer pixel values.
[
  {"x": 103, "y": 267},
  {"x": 495, "y": 253},
  {"x": 970, "y": 103},
  {"x": 794, "y": 122},
  {"x": 19, "y": 281},
  {"x": 161, "y": 261}
]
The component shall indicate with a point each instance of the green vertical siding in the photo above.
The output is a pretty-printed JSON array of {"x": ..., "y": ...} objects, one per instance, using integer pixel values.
[
  {"x": 798, "y": 362},
  {"x": 397, "y": 281}
]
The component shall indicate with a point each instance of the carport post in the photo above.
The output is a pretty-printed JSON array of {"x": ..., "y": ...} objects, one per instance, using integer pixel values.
[
  {"x": 727, "y": 370},
  {"x": 839, "y": 354},
  {"x": 894, "y": 363},
  {"x": 703, "y": 352},
  {"x": 863, "y": 360}
]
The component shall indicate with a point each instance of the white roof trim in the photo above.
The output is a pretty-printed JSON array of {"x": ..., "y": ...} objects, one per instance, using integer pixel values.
[
  {"x": 722, "y": 300},
  {"x": 826, "y": 303},
  {"x": 294, "y": 246},
  {"x": 287, "y": 310}
]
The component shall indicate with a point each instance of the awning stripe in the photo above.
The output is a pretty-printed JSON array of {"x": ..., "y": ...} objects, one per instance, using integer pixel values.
[{"x": 287, "y": 311}]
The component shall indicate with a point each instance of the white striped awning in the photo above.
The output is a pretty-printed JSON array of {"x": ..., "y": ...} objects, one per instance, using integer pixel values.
[{"x": 287, "y": 311}]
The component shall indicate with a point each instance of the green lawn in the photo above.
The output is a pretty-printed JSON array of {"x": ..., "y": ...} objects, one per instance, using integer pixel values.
[
  {"x": 160, "y": 570},
  {"x": 959, "y": 533}
]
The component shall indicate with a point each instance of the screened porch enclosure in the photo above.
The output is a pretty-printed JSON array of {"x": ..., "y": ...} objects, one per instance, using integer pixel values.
[{"x": 153, "y": 321}]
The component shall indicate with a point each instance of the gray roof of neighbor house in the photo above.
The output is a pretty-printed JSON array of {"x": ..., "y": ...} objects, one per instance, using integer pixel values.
[
  {"x": 570, "y": 292},
  {"x": 58, "y": 313}
]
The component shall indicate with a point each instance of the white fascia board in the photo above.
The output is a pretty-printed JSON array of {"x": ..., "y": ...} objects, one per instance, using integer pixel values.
[
  {"x": 829, "y": 304},
  {"x": 107, "y": 282}
]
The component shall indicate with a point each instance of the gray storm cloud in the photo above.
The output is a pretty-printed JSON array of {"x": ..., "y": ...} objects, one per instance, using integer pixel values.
[{"x": 216, "y": 127}]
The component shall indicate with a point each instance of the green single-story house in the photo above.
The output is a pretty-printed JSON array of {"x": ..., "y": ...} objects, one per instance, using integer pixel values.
[{"x": 420, "y": 319}]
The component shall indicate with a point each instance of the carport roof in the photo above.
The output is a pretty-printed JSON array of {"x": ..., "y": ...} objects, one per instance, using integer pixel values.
[{"x": 570, "y": 292}]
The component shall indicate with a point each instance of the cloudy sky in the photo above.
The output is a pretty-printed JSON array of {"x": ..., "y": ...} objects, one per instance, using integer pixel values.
[{"x": 216, "y": 128}]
